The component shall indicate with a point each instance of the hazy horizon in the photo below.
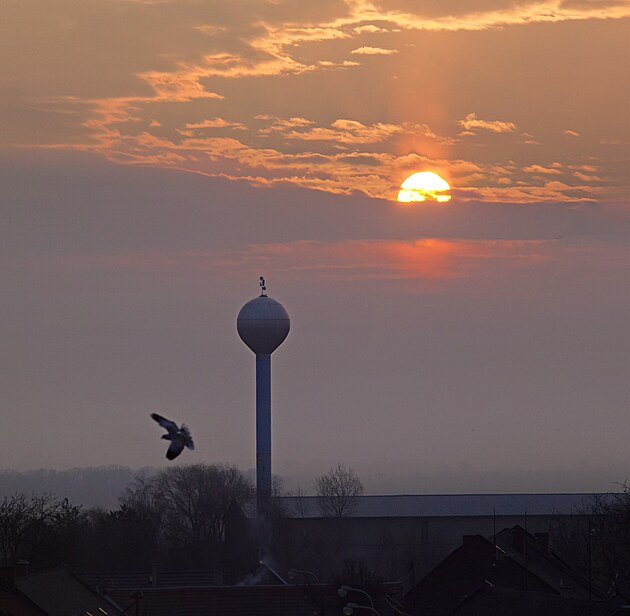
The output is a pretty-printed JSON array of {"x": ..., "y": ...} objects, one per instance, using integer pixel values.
[{"x": 102, "y": 485}]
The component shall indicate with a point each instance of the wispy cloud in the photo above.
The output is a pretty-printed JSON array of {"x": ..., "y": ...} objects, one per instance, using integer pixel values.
[
  {"x": 369, "y": 29},
  {"x": 177, "y": 88},
  {"x": 344, "y": 157},
  {"x": 475, "y": 16},
  {"x": 373, "y": 51},
  {"x": 190, "y": 127},
  {"x": 281, "y": 124},
  {"x": 584, "y": 177},
  {"x": 341, "y": 65},
  {"x": 181, "y": 106},
  {"x": 542, "y": 170},
  {"x": 353, "y": 132},
  {"x": 472, "y": 123},
  {"x": 426, "y": 259}
]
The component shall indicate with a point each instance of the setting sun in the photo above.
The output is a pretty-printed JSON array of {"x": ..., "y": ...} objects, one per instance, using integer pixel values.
[{"x": 424, "y": 186}]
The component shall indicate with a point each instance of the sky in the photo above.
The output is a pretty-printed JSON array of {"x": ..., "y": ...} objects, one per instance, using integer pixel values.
[{"x": 158, "y": 156}]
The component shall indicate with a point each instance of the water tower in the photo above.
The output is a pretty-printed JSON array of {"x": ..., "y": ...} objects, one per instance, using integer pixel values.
[{"x": 263, "y": 324}]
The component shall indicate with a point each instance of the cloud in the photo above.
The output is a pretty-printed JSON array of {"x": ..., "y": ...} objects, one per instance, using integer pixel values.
[
  {"x": 428, "y": 259},
  {"x": 179, "y": 106},
  {"x": 190, "y": 127},
  {"x": 295, "y": 122},
  {"x": 343, "y": 64},
  {"x": 571, "y": 133},
  {"x": 472, "y": 123},
  {"x": 525, "y": 192},
  {"x": 373, "y": 51},
  {"x": 454, "y": 15},
  {"x": 349, "y": 132},
  {"x": 542, "y": 170},
  {"x": 586, "y": 177},
  {"x": 363, "y": 164},
  {"x": 344, "y": 157},
  {"x": 369, "y": 29},
  {"x": 177, "y": 88},
  {"x": 602, "y": 5},
  {"x": 164, "y": 43}
]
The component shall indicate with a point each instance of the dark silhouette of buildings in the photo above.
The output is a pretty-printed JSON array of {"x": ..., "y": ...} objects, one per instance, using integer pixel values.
[
  {"x": 431, "y": 555},
  {"x": 510, "y": 575},
  {"x": 388, "y": 533}
]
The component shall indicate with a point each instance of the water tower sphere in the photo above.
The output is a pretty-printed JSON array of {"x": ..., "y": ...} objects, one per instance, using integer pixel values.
[{"x": 263, "y": 324}]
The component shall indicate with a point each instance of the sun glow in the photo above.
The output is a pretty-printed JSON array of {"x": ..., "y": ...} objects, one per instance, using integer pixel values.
[{"x": 424, "y": 186}]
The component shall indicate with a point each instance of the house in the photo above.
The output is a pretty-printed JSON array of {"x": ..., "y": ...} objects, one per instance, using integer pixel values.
[
  {"x": 476, "y": 574},
  {"x": 13, "y": 602},
  {"x": 154, "y": 578},
  {"x": 274, "y": 600},
  {"x": 262, "y": 591},
  {"x": 394, "y": 535},
  {"x": 60, "y": 592},
  {"x": 491, "y": 600}
]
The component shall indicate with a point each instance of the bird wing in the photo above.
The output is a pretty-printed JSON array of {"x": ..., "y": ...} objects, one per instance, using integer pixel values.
[
  {"x": 175, "y": 448},
  {"x": 167, "y": 424},
  {"x": 187, "y": 437}
]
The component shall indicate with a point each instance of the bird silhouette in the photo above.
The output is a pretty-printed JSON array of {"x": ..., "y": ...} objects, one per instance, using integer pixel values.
[{"x": 179, "y": 437}]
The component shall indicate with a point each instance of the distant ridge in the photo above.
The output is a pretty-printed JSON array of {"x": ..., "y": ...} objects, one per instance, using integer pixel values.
[
  {"x": 98, "y": 486},
  {"x": 101, "y": 486}
]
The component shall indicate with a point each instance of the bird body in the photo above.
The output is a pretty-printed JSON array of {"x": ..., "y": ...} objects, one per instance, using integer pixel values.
[{"x": 179, "y": 437}]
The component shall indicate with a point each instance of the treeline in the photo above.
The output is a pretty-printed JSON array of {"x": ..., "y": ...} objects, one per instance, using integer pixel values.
[{"x": 174, "y": 518}]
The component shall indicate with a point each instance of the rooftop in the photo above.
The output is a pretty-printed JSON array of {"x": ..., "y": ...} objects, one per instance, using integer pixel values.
[{"x": 449, "y": 505}]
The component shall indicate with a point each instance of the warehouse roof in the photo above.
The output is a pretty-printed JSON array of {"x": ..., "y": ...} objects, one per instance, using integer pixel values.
[{"x": 450, "y": 505}]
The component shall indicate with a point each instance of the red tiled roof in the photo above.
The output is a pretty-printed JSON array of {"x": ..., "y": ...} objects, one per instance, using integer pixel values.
[
  {"x": 59, "y": 591},
  {"x": 14, "y": 602},
  {"x": 495, "y": 601}
]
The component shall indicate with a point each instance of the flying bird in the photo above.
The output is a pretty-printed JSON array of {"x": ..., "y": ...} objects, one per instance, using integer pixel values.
[{"x": 179, "y": 437}]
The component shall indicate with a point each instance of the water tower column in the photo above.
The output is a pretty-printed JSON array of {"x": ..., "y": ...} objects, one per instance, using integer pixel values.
[{"x": 263, "y": 429}]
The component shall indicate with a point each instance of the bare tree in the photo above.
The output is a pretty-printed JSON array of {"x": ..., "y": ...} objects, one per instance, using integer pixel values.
[
  {"x": 337, "y": 491},
  {"x": 27, "y": 523},
  {"x": 191, "y": 505},
  {"x": 596, "y": 540}
]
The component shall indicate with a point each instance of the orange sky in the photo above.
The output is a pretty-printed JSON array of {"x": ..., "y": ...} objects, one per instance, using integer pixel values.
[{"x": 512, "y": 102}]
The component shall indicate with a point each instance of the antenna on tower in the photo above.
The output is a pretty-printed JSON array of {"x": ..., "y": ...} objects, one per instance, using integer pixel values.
[{"x": 263, "y": 287}]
